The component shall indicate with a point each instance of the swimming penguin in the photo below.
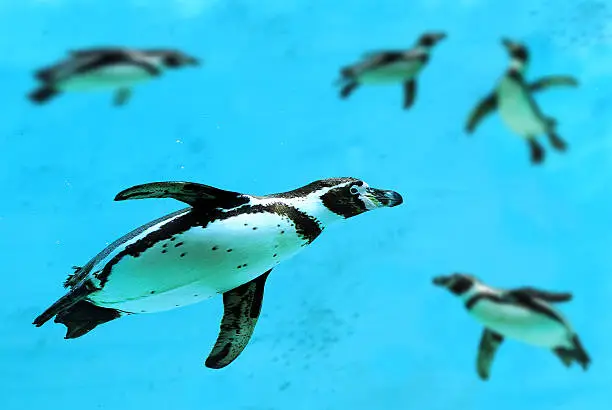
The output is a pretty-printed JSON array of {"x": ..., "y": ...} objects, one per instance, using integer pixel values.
[
  {"x": 513, "y": 98},
  {"x": 391, "y": 67},
  {"x": 223, "y": 243},
  {"x": 524, "y": 314},
  {"x": 117, "y": 69}
]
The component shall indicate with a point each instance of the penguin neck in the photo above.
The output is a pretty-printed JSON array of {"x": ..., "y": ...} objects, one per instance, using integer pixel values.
[
  {"x": 313, "y": 205},
  {"x": 476, "y": 289},
  {"x": 425, "y": 49},
  {"x": 517, "y": 66}
]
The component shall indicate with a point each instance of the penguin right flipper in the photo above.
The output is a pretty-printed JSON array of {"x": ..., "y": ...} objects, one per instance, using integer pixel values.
[
  {"x": 489, "y": 343},
  {"x": 485, "y": 107},
  {"x": 543, "y": 294},
  {"x": 242, "y": 306},
  {"x": 122, "y": 96},
  {"x": 196, "y": 195},
  {"x": 553, "y": 81},
  {"x": 409, "y": 93}
]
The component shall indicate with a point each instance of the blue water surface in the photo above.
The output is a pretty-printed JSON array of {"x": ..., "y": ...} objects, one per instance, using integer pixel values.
[{"x": 353, "y": 322}]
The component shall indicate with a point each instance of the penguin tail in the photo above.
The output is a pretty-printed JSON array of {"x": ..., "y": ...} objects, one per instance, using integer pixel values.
[
  {"x": 580, "y": 354},
  {"x": 43, "y": 94}
]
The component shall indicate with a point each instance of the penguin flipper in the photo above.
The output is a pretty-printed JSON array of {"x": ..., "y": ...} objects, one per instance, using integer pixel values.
[
  {"x": 242, "y": 306},
  {"x": 485, "y": 107},
  {"x": 542, "y": 294},
  {"x": 196, "y": 195},
  {"x": 409, "y": 93},
  {"x": 122, "y": 96},
  {"x": 553, "y": 81},
  {"x": 489, "y": 343}
]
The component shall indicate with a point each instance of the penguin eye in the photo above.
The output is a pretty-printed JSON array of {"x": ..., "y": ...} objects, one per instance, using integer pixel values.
[{"x": 354, "y": 190}]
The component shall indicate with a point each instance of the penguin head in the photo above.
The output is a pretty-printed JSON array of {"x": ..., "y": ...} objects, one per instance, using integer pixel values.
[
  {"x": 348, "y": 197},
  {"x": 430, "y": 39},
  {"x": 173, "y": 58},
  {"x": 518, "y": 52},
  {"x": 457, "y": 283}
]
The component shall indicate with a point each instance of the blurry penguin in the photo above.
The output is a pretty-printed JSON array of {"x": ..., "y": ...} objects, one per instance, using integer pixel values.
[
  {"x": 117, "y": 69},
  {"x": 514, "y": 100},
  {"x": 391, "y": 67},
  {"x": 523, "y": 314}
]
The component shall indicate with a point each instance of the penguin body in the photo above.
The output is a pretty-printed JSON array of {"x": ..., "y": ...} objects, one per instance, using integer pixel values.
[
  {"x": 513, "y": 98},
  {"x": 116, "y": 69},
  {"x": 524, "y": 314},
  {"x": 224, "y": 243},
  {"x": 390, "y": 67}
]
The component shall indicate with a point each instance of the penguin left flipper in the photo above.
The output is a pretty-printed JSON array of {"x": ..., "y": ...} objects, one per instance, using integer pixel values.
[
  {"x": 489, "y": 343},
  {"x": 485, "y": 107},
  {"x": 553, "y": 81},
  {"x": 242, "y": 306},
  {"x": 196, "y": 195},
  {"x": 409, "y": 93},
  {"x": 542, "y": 294},
  {"x": 122, "y": 96}
]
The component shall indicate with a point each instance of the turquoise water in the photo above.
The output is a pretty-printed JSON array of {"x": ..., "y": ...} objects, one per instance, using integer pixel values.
[{"x": 353, "y": 322}]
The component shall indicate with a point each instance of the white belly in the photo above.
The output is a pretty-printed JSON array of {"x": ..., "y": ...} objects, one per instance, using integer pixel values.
[
  {"x": 517, "y": 110},
  {"x": 215, "y": 259},
  {"x": 105, "y": 78},
  {"x": 521, "y": 324},
  {"x": 391, "y": 73}
]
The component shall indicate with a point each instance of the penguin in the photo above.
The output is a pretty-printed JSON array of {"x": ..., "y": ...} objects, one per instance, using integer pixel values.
[
  {"x": 224, "y": 243},
  {"x": 106, "y": 68},
  {"x": 391, "y": 67},
  {"x": 525, "y": 314},
  {"x": 513, "y": 98}
]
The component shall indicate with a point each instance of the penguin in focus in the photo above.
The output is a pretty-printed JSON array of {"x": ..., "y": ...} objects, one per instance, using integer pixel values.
[
  {"x": 223, "y": 243},
  {"x": 525, "y": 314},
  {"x": 513, "y": 99},
  {"x": 111, "y": 68},
  {"x": 391, "y": 67}
]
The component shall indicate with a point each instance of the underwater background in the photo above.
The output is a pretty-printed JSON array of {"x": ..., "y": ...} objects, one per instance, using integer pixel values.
[{"x": 353, "y": 322}]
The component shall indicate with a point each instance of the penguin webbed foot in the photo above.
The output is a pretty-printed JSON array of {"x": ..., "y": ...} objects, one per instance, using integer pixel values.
[
  {"x": 536, "y": 152},
  {"x": 43, "y": 94},
  {"x": 348, "y": 89},
  {"x": 557, "y": 142}
]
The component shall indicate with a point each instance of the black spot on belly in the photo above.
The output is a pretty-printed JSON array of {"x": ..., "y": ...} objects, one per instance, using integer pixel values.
[
  {"x": 246, "y": 224},
  {"x": 164, "y": 251},
  {"x": 179, "y": 244},
  {"x": 275, "y": 255},
  {"x": 152, "y": 292},
  {"x": 229, "y": 250},
  {"x": 214, "y": 248},
  {"x": 165, "y": 245},
  {"x": 183, "y": 254},
  {"x": 306, "y": 227},
  {"x": 254, "y": 228}
]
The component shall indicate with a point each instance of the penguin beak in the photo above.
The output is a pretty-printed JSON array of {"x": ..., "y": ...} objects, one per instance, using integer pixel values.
[
  {"x": 509, "y": 44},
  {"x": 439, "y": 36},
  {"x": 440, "y": 280},
  {"x": 382, "y": 197}
]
